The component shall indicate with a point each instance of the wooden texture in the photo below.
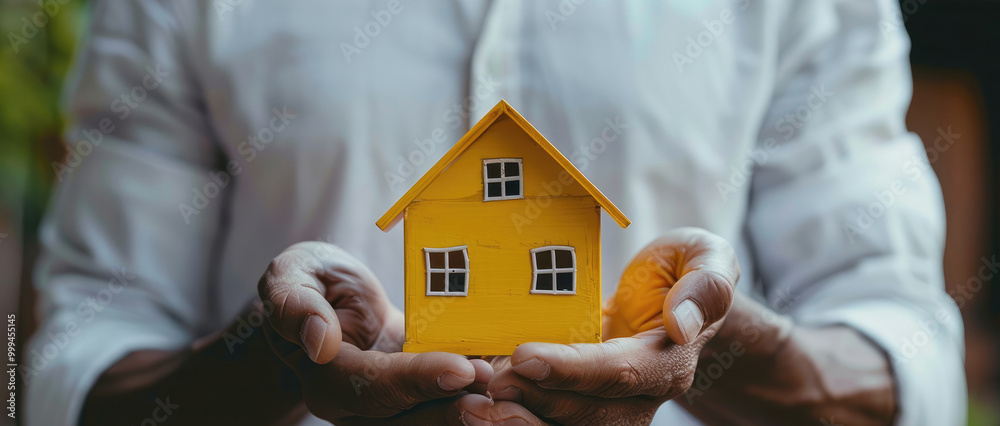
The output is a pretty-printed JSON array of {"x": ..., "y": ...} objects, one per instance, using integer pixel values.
[{"x": 499, "y": 312}]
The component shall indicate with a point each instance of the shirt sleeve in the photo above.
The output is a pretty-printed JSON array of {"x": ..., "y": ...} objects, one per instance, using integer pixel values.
[
  {"x": 127, "y": 239},
  {"x": 846, "y": 217}
]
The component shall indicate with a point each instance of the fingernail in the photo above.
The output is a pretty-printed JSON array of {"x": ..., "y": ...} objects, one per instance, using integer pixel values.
[
  {"x": 689, "y": 319},
  {"x": 510, "y": 393},
  {"x": 476, "y": 412},
  {"x": 312, "y": 335},
  {"x": 534, "y": 369},
  {"x": 451, "y": 382}
]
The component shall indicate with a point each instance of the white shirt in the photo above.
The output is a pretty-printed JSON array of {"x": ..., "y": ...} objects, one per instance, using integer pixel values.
[{"x": 775, "y": 124}]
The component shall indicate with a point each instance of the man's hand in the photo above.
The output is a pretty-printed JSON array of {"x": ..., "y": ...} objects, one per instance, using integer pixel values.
[
  {"x": 667, "y": 306},
  {"x": 333, "y": 326}
]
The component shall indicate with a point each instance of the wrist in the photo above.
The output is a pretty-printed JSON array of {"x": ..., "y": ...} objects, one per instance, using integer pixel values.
[{"x": 751, "y": 330}]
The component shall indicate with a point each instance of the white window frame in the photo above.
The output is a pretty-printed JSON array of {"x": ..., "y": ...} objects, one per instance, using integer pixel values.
[
  {"x": 446, "y": 270},
  {"x": 535, "y": 271},
  {"x": 503, "y": 179}
]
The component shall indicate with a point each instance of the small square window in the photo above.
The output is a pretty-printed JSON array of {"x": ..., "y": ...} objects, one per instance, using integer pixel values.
[
  {"x": 502, "y": 179},
  {"x": 493, "y": 170},
  {"x": 564, "y": 281},
  {"x": 512, "y": 188},
  {"x": 436, "y": 260},
  {"x": 564, "y": 259},
  {"x": 456, "y": 259},
  {"x": 543, "y": 282},
  {"x": 494, "y": 189},
  {"x": 543, "y": 260},
  {"x": 512, "y": 169},
  {"x": 456, "y": 282},
  {"x": 437, "y": 281},
  {"x": 554, "y": 270},
  {"x": 447, "y": 271}
]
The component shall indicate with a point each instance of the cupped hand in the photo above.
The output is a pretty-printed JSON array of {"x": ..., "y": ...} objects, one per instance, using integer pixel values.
[
  {"x": 668, "y": 304},
  {"x": 333, "y": 325}
]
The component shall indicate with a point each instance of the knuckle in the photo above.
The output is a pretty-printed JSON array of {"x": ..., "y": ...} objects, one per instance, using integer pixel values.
[
  {"x": 628, "y": 382},
  {"x": 722, "y": 291},
  {"x": 680, "y": 378}
]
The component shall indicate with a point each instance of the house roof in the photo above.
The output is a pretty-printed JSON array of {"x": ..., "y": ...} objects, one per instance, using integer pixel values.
[{"x": 392, "y": 216}]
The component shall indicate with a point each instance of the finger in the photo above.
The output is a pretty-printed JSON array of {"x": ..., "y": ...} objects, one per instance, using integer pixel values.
[
  {"x": 301, "y": 314},
  {"x": 377, "y": 384},
  {"x": 567, "y": 407},
  {"x": 704, "y": 292},
  {"x": 484, "y": 372},
  {"x": 618, "y": 368},
  {"x": 457, "y": 411},
  {"x": 508, "y": 413}
]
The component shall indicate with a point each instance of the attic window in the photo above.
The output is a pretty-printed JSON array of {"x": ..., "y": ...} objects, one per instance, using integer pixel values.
[
  {"x": 554, "y": 270},
  {"x": 502, "y": 179},
  {"x": 447, "y": 271}
]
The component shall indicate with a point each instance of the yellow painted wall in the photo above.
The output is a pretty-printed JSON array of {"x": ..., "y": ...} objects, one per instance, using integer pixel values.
[{"x": 499, "y": 311}]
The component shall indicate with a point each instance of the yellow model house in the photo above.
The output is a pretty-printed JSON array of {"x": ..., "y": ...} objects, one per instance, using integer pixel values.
[{"x": 502, "y": 244}]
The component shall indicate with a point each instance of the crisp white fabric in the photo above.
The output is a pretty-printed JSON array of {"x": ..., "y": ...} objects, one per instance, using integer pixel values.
[{"x": 770, "y": 123}]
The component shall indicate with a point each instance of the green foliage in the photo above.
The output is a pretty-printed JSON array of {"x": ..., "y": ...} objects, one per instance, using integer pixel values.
[{"x": 34, "y": 60}]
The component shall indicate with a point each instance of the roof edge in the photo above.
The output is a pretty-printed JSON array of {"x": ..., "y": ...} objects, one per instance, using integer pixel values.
[{"x": 393, "y": 215}]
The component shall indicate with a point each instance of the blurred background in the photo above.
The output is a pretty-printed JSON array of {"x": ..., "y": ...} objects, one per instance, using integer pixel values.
[{"x": 956, "y": 101}]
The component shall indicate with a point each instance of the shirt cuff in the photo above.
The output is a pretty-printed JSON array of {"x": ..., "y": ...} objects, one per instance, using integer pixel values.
[{"x": 926, "y": 351}]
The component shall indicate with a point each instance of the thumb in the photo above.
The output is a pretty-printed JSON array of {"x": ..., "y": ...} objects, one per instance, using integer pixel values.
[
  {"x": 708, "y": 272},
  {"x": 301, "y": 314}
]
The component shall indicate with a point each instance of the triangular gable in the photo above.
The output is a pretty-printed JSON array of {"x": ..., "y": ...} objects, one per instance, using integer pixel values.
[{"x": 392, "y": 216}]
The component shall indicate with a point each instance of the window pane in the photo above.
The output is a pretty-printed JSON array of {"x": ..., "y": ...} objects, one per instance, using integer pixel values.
[
  {"x": 513, "y": 188},
  {"x": 564, "y": 259},
  {"x": 493, "y": 170},
  {"x": 493, "y": 189},
  {"x": 564, "y": 281},
  {"x": 543, "y": 282},
  {"x": 437, "y": 260},
  {"x": 456, "y": 259},
  {"x": 543, "y": 260},
  {"x": 437, "y": 281},
  {"x": 456, "y": 282},
  {"x": 511, "y": 169}
]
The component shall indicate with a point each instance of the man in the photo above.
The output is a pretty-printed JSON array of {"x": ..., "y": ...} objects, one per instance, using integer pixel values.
[{"x": 224, "y": 132}]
